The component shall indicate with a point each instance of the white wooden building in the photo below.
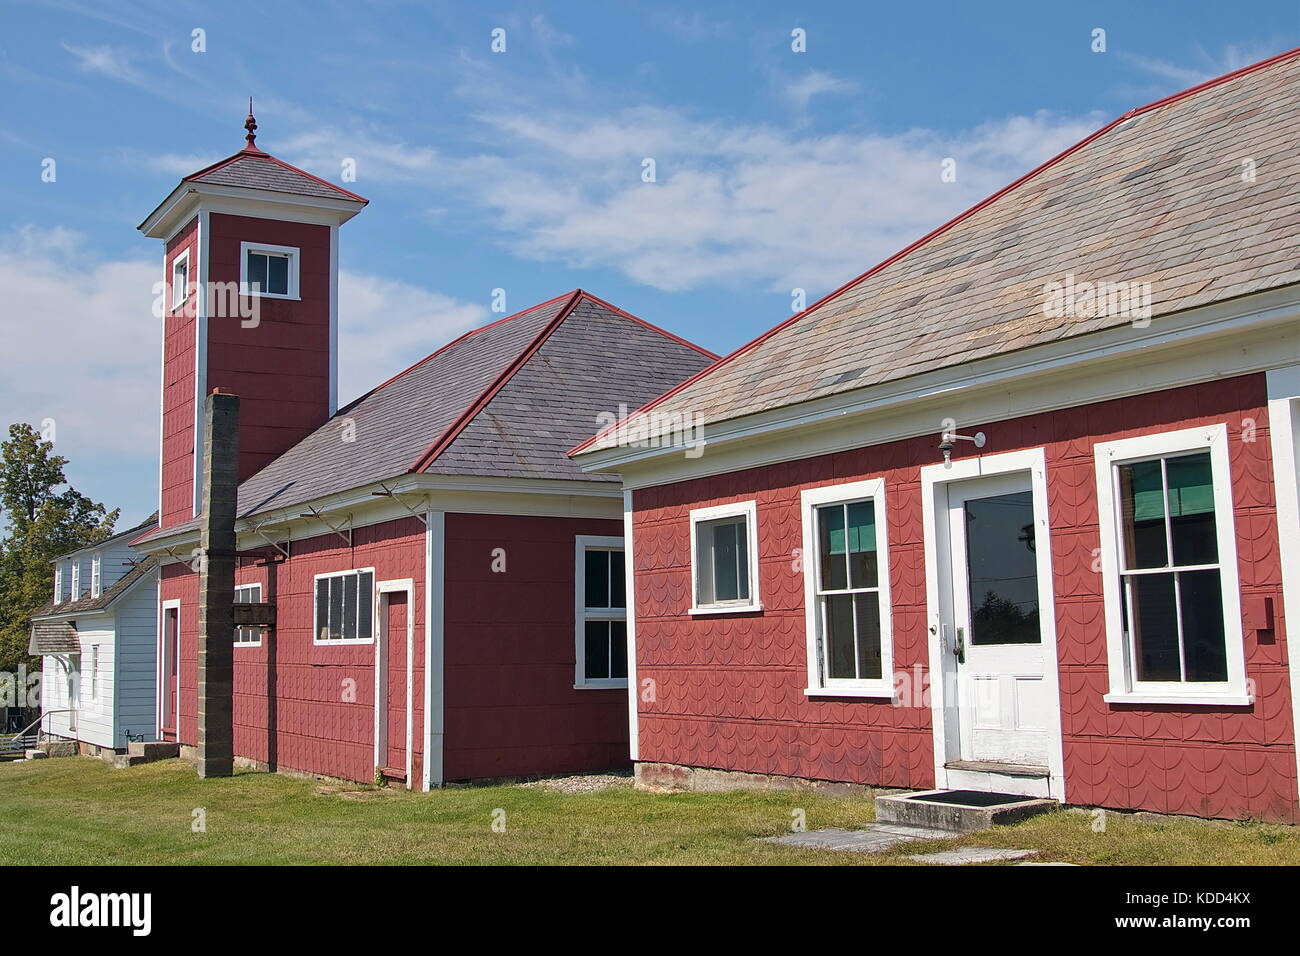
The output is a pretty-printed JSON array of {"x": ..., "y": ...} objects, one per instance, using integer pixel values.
[{"x": 96, "y": 637}]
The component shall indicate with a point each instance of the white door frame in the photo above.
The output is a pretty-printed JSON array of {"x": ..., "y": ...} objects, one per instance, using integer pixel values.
[
  {"x": 1284, "y": 433},
  {"x": 161, "y": 684},
  {"x": 938, "y": 575},
  {"x": 380, "y": 616}
]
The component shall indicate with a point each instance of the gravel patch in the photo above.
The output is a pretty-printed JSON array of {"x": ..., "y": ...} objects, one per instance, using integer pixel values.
[{"x": 580, "y": 783}]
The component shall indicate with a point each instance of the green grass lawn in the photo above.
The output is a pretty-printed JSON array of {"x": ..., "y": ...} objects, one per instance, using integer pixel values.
[{"x": 78, "y": 811}]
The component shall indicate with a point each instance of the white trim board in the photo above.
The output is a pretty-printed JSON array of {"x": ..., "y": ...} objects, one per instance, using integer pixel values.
[
  {"x": 1284, "y": 434},
  {"x": 435, "y": 543},
  {"x": 934, "y": 480},
  {"x": 380, "y": 617},
  {"x": 633, "y": 688}
]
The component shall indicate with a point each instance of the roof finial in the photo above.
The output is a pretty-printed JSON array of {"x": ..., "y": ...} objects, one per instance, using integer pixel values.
[{"x": 250, "y": 124}]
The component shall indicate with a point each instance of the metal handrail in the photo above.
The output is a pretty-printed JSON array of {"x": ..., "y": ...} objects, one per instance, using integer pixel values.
[{"x": 37, "y": 721}]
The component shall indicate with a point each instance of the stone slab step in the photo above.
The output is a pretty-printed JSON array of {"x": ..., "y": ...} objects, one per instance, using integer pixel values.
[
  {"x": 123, "y": 761},
  {"x": 873, "y": 838},
  {"x": 959, "y": 810},
  {"x": 154, "y": 749},
  {"x": 35, "y": 754},
  {"x": 992, "y": 766}
]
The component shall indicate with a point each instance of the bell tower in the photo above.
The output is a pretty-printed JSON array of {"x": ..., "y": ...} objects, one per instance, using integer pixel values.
[{"x": 250, "y": 306}]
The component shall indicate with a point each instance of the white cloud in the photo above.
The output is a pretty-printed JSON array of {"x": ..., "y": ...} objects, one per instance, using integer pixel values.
[
  {"x": 755, "y": 204},
  {"x": 104, "y": 60},
  {"x": 816, "y": 83},
  {"x": 82, "y": 348}
]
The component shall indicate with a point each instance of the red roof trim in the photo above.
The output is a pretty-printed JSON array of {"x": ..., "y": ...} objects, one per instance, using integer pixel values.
[
  {"x": 449, "y": 435},
  {"x": 926, "y": 238},
  {"x": 259, "y": 154}
]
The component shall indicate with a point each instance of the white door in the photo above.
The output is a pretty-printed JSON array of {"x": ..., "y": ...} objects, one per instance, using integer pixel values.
[{"x": 995, "y": 629}]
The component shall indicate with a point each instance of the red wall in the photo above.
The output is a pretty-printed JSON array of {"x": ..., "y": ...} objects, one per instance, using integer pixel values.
[
  {"x": 730, "y": 689},
  {"x": 279, "y": 368},
  {"x": 510, "y": 704},
  {"x": 315, "y": 728},
  {"x": 177, "y": 497}
]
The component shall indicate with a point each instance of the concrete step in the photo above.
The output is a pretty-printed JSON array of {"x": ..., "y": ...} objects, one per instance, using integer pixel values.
[
  {"x": 123, "y": 761},
  {"x": 59, "y": 748},
  {"x": 154, "y": 749},
  {"x": 35, "y": 754},
  {"x": 959, "y": 810}
]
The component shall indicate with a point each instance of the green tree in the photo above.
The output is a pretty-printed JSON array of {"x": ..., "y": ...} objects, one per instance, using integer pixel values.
[{"x": 40, "y": 523}]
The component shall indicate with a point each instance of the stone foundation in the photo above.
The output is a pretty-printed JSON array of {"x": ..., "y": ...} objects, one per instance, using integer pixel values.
[{"x": 671, "y": 776}]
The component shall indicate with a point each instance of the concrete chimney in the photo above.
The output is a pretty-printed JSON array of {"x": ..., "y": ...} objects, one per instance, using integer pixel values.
[{"x": 217, "y": 585}]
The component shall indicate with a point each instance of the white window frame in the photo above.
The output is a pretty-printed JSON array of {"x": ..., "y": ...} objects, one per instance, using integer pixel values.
[
  {"x": 374, "y": 591},
  {"x": 58, "y": 582},
  {"x": 1125, "y": 688},
  {"x": 181, "y": 291},
  {"x": 94, "y": 674},
  {"x": 264, "y": 248},
  {"x": 810, "y": 500},
  {"x": 739, "y": 509},
  {"x": 76, "y": 579},
  {"x": 582, "y": 614},
  {"x": 96, "y": 575},
  {"x": 257, "y": 631}
]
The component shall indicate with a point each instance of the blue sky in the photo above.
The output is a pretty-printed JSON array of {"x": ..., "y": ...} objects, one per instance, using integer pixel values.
[{"x": 522, "y": 170}]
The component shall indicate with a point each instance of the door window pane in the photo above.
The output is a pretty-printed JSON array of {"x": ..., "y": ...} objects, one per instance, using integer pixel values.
[{"x": 1002, "y": 569}]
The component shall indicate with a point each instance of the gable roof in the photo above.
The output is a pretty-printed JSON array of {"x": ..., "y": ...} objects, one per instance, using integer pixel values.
[
  {"x": 53, "y": 637},
  {"x": 1156, "y": 196},
  {"x": 92, "y": 605},
  {"x": 505, "y": 400},
  {"x": 123, "y": 537}
]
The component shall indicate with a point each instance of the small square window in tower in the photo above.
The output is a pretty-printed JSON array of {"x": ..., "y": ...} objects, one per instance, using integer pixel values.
[{"x": 268, "y": 272}]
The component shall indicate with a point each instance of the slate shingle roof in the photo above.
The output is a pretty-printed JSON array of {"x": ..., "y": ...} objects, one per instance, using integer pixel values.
[
  {"x": 86, "y": 604},
  {"x": 1157, "y": 196},
  {"x": 506, "y": 400},
  {"x": 53, "y": 637},
  {"x": 255, "y": 169}
]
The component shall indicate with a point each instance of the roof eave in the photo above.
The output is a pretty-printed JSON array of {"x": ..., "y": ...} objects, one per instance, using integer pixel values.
[{"x": 183, "y": 201}]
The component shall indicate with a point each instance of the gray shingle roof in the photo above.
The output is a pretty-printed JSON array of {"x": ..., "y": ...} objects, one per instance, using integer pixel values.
[
  {"x": 117, "y": 536},
  {"x": 88, "y": 604},
  {"x": 1158, "y": 197},
  {"x": 254, "y": 169},
  {"x": 53, "y": 637},
  {"x": 506, "y": 400}
]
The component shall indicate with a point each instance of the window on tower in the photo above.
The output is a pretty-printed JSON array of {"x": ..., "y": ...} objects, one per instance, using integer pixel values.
[{"x": 270, "y": 271}]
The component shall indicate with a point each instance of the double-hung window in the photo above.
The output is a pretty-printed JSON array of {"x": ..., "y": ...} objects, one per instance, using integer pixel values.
[
  {"x": 58, "y": 583},
  {"x": 601, "y": 612},
  {"x": 76, "y": 579},
  {"x": 345, "y": 607},
  {"x": 270, "y": 271},
  {"x": 248, "y": 594},
  {"x": 96, "y": 575},
  {"x": 724, "y": 559},
  {"x": 846, "y": 590},
  {"x": 1169, "y": 566}
]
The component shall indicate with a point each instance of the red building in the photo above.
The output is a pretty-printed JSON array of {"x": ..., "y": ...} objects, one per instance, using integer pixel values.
[
  {"x": 1015, "y": 510},
  {"x": 448, "y": 585}
]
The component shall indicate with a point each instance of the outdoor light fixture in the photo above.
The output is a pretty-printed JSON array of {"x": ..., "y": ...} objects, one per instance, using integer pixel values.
[{"x": 949, "y": 439}]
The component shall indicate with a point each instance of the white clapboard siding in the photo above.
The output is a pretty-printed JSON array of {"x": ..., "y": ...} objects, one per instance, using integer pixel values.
[{"x": 137, "y": 640}]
